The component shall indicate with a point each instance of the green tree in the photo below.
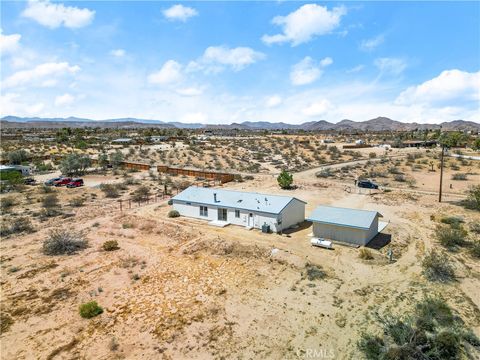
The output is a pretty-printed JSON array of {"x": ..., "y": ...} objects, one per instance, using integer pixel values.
[
  {"x": 476, "y": 144},
  {"x": 452, "y": 139},
  {"x": 116, "y": 159},
  {"x": 285, "y": 179},
  {"x": 103, "y": 160},
  {"x": 17, "y": 157},
  {"x": 75, "y": 164}
]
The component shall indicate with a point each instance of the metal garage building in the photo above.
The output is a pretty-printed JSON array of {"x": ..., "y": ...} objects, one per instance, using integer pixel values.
[
  {"x": 251, "y": 210},
  {"x": 347, "y": 225}
]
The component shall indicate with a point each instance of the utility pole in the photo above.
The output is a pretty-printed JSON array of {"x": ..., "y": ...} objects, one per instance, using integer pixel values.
[{"x": 441, "y": 174}]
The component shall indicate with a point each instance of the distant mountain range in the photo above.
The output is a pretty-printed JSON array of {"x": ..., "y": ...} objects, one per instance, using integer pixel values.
[{"x": 377, "y": 124}]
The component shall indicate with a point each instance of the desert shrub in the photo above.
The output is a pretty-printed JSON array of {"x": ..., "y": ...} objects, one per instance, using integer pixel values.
[
  {"x": 314, "y": 272},
  {"x": 90, "y": 310},
  {"x": 394, "y": 170},
  {"x": 173, "y": 214},
  {"x": 63, "y": 241},
  {"x": 110, "y": 190},
  {"x": 453, "y": 221},
  {"x": 77, "y": 201},
  {"x": 325, "y": 173},
  {"x": 44, "y": 189},
  {"x": 475, "y": 227},
  {"x": 21, "y": 224},
  {"x": 110, "y": 245},
  {"x": 399, "y": 178},
  {"x": 50, "y": 201},
  {"x": 372, "y": 155},
  {"x": 473, "y": 198},
  {"x": 451, "y": 236},
  {"x": 431, "y": 331},
  {"x": 371, "y": 346},
  {"x": 459, "y": 176},
  {"x": 475, "y": 249},
  {"x": 7, "y": 203},
  {"x": 436, "y": 267},
  {"x": 365, "y": 254},
  {"x": 141, "y": 193}
]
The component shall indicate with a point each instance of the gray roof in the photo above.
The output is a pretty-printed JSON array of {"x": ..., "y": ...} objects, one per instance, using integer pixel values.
[
  {"x": 355, "y": 218},
  {"x": 272, "y": 204}
]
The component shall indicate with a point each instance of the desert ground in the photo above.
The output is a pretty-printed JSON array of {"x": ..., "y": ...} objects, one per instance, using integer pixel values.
[{"x": 178, "y": 288}]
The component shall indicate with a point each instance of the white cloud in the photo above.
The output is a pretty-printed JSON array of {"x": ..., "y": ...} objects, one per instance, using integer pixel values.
[
  {"x": 305, "y": 23},
  {"x": 273, "y": 101},
  {"x": 64, "y": 100},
  {"x": 179, "y": 12},
  {"x": 44, "y": 73},
  {"x": 307, "y": 71},
  {"x": 356, "y": 69},
  {"x": 392, "y": 66},
  {"x": 451, "y": 85},
  {"x": 118, "y": 52},
  {"x": 371, "y": 44},
  {"x": 170, "y": 72},
  {"x": 9, "y": 43},
  {"x": 34, "y": 109},
  {"x": 317, "y": 108},
  {"x": 190, "y": 91},
  {"x": 55, "y": 15},
  {"x": 195, "y": 117},
  {"x": 216, "y": 58}
]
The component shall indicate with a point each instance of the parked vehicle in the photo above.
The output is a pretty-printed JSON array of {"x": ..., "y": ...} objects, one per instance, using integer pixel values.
[
  {"x": 62, "y": 182},
  {"x": 367, "y": 184},
  {"x": 320, "y": 242},
  {"x": 75, "y": 183},
  {"x": 52, "y": 182},
  {"x": 29, "y": 181}
]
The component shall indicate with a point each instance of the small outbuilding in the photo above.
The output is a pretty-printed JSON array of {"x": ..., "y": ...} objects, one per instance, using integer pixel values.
[
  {"x": 249, "y": 209},
  {"x": 352, "y": 226}
]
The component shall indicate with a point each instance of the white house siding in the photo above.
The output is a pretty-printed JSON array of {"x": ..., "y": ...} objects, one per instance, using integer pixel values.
[
  {"x": 341, "y": 233},
  {"x": 293, "y": 213},
  {"x": 373, "y": 231}
]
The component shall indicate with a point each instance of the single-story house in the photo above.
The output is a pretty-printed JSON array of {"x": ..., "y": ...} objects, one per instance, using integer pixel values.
[
  {"x": 22, "y": 169},
  {"x": 122, "y": 141},
  {"x": 346, "y": 225},
  {"x": 248, "y": 209}
]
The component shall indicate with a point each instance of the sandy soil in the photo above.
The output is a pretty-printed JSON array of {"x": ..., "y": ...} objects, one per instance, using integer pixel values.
[{"x": 178, "y": 288}]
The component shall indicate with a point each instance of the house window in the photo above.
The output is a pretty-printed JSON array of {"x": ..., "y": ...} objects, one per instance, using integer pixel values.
[
  {"x": 203, "y": 211},
  {"x": 189, "y": 203},
  {"x": 237, "y": 213}
]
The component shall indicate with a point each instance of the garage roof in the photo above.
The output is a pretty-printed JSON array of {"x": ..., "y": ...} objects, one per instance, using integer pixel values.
[
  {"x": 360, "y": 219},
  {"x": 251, "y": 201}
]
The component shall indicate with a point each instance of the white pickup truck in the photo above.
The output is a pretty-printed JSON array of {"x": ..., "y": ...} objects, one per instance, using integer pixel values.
[{"x": 321, "y": 243}]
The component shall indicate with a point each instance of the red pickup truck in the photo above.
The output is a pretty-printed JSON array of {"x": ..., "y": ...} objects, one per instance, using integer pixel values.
[
  {"x": 62, "y": 181},
  {"x": 75, "y": 183}
]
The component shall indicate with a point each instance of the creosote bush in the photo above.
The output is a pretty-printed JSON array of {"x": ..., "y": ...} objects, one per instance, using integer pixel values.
[
  {"x": 173, "y": 214},
  {"x": 436, "y": 267},
  {"x": 77, "y": 201},
  {"x": 62, "y": 241},
  {"x": 110, "y": 190},
  {"x": 90, "y": 310},
  {"x": 110, "y": 245},
  {"x": 431, "y": 331},
  {"x": 314, "y": 272},
  {"x": 451, "y": 236},
  {"x": 365, "y": 254}
]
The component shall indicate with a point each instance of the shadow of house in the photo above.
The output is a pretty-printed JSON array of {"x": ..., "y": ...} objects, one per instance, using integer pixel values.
[
  {"x": 379, "y": 241},
  {"x": 302, "y": 226}
]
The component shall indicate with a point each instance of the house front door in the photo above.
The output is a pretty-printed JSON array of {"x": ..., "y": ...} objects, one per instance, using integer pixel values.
[{"x": 222, "y": 214}]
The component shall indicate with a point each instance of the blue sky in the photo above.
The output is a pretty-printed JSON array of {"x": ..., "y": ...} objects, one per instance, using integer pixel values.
[{"x": 223, "y": 62}]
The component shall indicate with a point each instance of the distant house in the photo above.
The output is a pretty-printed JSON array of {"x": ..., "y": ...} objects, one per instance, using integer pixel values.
[
  {"x": 248, "y": 209},
  {"x": 159, "y": 138},
  {"x": 122, "y": 141},
  {"x": 22, "y": 169},
  {"x": 346, "y": 225}
]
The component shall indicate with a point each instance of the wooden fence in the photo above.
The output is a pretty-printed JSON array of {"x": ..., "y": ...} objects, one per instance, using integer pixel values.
[
  {"x": 209, "y": 175},
  {"x": 136, "y": 166}
]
